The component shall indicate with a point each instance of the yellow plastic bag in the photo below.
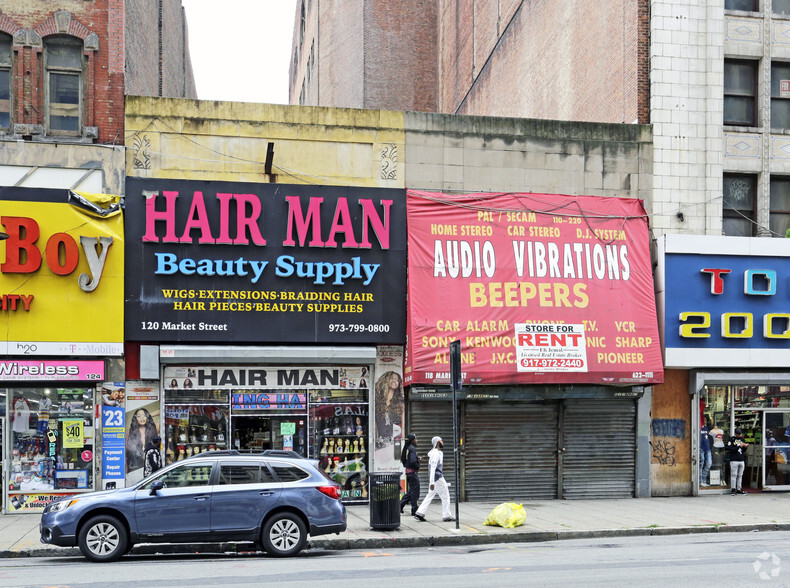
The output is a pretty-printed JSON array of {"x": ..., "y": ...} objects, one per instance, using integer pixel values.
[{"x": 508, "y": 515}]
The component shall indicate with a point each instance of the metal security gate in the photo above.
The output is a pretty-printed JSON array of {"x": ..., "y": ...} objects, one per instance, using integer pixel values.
[
  {"x": 599, "y": 441},
  {"x": 511, "y": 451},
  {"x": 426, "y": 420}
]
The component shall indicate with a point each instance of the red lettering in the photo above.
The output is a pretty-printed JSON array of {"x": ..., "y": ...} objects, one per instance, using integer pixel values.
[
  {"x": 248, "y": 222},
  {"x": 303, "y": 224},
  {"x": 21, "y": 255},
  {"x": 168, "y": 215},
  {"x": 525, "y": 338},
  {"x": 65, "y": 244},
  {"x": 716, "y": 280},
  {"x": 342, "y": 223},
  {"x": 197, "y": 219}
]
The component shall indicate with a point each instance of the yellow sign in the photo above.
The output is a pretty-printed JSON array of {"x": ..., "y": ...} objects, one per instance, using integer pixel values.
[
  {"x": 61, "y": 278},
  {"x": 72, "y": 434}
]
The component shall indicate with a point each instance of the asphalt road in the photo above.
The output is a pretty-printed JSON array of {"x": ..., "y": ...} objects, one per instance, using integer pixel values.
[{"x": 721, "y": 560}]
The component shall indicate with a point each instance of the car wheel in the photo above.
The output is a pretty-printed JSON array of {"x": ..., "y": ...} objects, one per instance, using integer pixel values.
[
  {"x": 284, "y": 534},
  {"x": 103, "y": 538}
]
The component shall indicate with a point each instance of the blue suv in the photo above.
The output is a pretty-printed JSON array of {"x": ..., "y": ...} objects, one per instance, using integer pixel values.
[{"x": 274, "y": 499}]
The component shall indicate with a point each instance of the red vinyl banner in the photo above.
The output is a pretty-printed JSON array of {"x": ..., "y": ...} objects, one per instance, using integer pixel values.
[{"x": 538, "y": 288}]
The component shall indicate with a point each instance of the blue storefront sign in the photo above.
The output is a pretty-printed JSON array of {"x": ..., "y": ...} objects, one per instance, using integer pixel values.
[{"x": 726, "y": 301}]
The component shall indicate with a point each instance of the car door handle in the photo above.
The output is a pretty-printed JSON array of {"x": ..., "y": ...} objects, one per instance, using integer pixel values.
[
  {"x": 201, "y": 497},
  {"x": 266, "y": 493}
]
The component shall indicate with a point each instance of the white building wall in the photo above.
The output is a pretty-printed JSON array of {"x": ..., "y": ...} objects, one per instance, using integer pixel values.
[{"x": 686, "y": 104}]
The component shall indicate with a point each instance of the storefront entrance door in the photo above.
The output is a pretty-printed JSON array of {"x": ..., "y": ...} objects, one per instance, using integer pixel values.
[
  {"x": 776, "y": 450},
  {"x": 255, "y": 433}
]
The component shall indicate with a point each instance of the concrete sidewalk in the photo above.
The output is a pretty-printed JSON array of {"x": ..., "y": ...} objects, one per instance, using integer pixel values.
[{"x": 547, "y": 520}]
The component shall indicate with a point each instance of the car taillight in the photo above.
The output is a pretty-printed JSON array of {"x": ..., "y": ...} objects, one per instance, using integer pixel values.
[{"x": 331, "y": 491}]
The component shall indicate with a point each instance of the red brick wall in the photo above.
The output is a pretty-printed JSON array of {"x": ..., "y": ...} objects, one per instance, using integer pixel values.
[
  {"x": 400, "y": 55},
  {"x": 105, "y": 74},
  {"x": 554, "y": 59},
  {"x": 103, "y": 81}
]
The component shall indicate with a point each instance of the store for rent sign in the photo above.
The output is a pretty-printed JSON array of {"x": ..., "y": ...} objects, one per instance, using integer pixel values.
[
  {"x": 222, "y": 261},
  {"x": 539, "y": 288},
  {"x": 550, "y": 348},
  {"x": 61, "y": 276}
]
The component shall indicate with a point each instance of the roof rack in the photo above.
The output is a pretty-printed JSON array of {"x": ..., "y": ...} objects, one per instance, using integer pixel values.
[
  {"x": 215, "y": 452},
  {"x": 282, "y": 453}
]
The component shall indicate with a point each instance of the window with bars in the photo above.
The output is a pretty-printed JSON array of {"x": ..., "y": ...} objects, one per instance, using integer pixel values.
[
  {"x": 740, "y": 91},
  {"x": 6, "y": 81},
  {"x": 738, "y": 207},
  {"x": 64, "y": 85}
]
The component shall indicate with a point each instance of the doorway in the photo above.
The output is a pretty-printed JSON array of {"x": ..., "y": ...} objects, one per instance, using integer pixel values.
[
  {"x": 256, "y": 433},
  {"x": 776, "y": 450}
]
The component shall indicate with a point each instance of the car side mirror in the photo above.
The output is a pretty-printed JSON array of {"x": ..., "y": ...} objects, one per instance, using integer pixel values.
[{"x": 156, "y": 485}]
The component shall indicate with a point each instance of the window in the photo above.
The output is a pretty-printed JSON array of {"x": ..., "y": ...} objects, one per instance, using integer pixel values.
[
  {"x": 780, "y": 206},
  {"x": 740, "y": 89},
  {"x": 231, "y": 474},
  {"x": 64, "y": 85},
  {"x": 6, "y": 75},
  {"x": 780, "y": 95},
  {"x": 750, "y": 5},
  {"x": 185, "y": 476},
  {"x": 738, "y": 205},
  {"x": 781, "y": 7},
  {"x": 289, "y": 473}
]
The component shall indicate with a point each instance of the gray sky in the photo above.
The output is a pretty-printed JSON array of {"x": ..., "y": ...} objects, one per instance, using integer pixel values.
[{"x": 241, "y": 52}]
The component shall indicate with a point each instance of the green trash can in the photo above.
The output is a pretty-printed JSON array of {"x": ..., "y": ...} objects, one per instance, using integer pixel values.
[{"x": 384, "y": 500}]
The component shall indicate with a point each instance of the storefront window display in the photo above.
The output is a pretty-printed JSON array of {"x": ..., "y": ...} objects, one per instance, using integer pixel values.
[
  {"x": 320, "y": 413},
  {"x": 195, "y": 421},
  {"x": 339, "y": 423},
  {"x": 51, "y": 445},
  {"x": 762, "y": 413}
]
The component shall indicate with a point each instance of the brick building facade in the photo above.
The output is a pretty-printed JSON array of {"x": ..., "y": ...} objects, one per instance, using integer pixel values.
[
  {"x": 372, "y": 54},
  {"x": 66, "y": 68}
]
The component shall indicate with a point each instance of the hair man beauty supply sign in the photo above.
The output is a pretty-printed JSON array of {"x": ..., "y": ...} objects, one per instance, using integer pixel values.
[{"x": 258, "y": 263}]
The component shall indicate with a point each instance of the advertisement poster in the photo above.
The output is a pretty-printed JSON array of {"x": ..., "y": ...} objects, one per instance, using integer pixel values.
[
  {"x": 33, "y": 502},
  {"x": 142, "y": 425},
  {"x": 480, "y": 265},
  {"x": 60, "y": 265},
  {"x": 264, "y": 263},
  {"x": 113, "y": 435},
  {"x": 388, "y": 408}
]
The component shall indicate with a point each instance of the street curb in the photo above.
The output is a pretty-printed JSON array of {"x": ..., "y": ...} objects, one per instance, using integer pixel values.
[{"x": 418, "y": 541}]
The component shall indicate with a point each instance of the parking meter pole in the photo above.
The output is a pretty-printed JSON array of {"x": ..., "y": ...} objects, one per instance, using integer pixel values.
[{"x": 455, "y": 383}]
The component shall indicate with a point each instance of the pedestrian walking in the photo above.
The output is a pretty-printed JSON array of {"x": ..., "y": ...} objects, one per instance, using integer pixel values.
[
  {"x": 411, "y": 461},
  {"x": 153, "y": 457},
  {"x": 737, "y": 448},
  {"x": 437, "y": 483}
]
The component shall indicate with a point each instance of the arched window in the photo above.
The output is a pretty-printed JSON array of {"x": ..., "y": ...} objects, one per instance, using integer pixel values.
[
  {"x": 63, "y": 61},
  {"x": 6, "y": 81}
]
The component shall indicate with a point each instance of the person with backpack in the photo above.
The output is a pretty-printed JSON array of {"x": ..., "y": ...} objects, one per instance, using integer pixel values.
[{"x": 411, "y": 461}]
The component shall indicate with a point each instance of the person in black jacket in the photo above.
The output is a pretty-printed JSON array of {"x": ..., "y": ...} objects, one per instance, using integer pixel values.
[
  {"x": 411, "y": 460},
  {"x": 737, "y": 448},
  {"x": 153, "y": 458}
]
